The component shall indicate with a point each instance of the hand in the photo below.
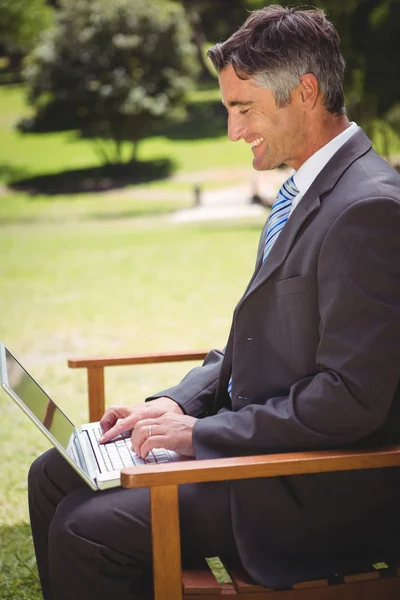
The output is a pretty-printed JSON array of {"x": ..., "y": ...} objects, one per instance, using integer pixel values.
[
  {"x": 171, "y": 431},
  {"x": 118, "y": 419}
]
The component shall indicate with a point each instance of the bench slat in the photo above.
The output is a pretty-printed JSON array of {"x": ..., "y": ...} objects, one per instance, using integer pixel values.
[
  {"x": 314, "y": 583},
  {"x": 242, "y": 582},
  {"x": 356, "y": 577},
  {"x": 200, "y": 581}
]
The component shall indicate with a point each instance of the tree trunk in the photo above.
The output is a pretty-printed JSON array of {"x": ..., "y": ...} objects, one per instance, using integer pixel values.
[
  {"x": 134, "y": 150},
  {"x": 199, "y": 39},
  {"x": 100, "y": 150},
  {"x": 118, "y": 151}
]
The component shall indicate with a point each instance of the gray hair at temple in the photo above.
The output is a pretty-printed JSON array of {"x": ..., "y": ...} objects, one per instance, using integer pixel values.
[{"x": 276, "y": 46}]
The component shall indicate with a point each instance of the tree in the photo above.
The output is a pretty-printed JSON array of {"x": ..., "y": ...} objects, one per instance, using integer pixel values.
[
  {"x": 113, "y": 68},
  {"x": 21, "y": 23},
  {"x": 213, "y": 20},
  {"x": 368, "y": 31}
]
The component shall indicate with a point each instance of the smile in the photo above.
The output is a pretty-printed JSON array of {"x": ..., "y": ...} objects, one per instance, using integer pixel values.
[{"x": 256, "y": 142}]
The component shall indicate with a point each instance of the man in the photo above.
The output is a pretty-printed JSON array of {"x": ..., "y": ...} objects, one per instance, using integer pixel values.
[{"x": 312, "y": 359}]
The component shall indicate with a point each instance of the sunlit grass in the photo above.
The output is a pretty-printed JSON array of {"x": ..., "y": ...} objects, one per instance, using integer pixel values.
[
  {"x": 101, "y": 288},
  {"x": 33, "y": 154}
]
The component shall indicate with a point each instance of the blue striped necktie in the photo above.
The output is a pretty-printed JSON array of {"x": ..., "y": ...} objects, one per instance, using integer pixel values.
[{"x": 279, "y": 214}]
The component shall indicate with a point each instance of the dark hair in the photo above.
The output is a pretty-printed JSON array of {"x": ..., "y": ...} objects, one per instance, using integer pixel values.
[{"x": 276, "y": 46}]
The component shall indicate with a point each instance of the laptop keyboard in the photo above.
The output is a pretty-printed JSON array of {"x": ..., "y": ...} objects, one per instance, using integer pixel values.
[{"x": 118, "y": 454}]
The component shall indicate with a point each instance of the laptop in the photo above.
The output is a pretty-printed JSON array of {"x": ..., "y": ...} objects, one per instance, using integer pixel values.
[{"x": 99, "y": 465}]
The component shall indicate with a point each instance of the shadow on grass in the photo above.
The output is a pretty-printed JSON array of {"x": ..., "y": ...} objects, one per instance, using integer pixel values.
[
  {"x": 18, "y": 574},
  {"x": 11, "y": 172},
  {"x": 94, "y": 179}
]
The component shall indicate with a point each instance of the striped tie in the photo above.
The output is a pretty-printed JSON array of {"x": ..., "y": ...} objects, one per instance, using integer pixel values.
[{"x": 279, "y": 214}]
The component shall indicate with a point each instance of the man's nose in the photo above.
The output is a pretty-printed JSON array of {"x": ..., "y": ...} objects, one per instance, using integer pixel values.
[{"x": 235, "y": 128}]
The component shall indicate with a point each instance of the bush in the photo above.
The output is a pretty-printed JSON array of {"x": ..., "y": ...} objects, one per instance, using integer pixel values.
[{"x": 112, "y": 69}]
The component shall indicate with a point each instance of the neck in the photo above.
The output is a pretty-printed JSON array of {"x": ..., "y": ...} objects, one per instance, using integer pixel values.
[{"x": 318, "y": 136}]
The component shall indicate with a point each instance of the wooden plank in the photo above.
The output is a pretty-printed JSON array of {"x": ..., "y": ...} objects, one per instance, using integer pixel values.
[
  {"x": 167, "y": 573},
  {"x": 242, "y": 582},
  {"x": 387, "y": 588},
  {"x": 96, "y": 393},
  {"x": 135, "y": 359},
  {"x": 200, "y": 581},
  {"x": 249, "y": 467},
  {"x": 314, "y": 583},
  {"x": 356, "y": 577}
]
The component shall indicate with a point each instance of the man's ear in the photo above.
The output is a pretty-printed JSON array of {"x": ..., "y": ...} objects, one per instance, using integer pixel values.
[{"x": 309, "y": 90}]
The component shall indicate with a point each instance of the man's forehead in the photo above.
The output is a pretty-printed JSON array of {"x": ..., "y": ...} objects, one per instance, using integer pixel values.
[{"x": 234, "y": 90}]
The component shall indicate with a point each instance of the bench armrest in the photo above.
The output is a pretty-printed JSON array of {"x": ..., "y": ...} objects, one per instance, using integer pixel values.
[
  {"x": 249, "y": 467},
  {"x": 95, "y": 372},
  {"x": 134, "y": 359},
  {"x": 164, "y": 479}
]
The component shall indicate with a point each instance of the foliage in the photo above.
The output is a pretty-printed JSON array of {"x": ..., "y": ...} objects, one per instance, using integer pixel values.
[
  {"x": 369, "y": 40},
  {"x": 21, "y": 23},
  {"x": 112, "y": 69},
  {"x": 213, "y": 20},
  {"x": 220, "y": 18}
]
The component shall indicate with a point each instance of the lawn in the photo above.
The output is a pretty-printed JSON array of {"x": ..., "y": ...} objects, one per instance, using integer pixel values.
[
  {"x": 64, "y": 157},
  {"x": 104, "y": 288},
  {"x": 102, "y": 273}
]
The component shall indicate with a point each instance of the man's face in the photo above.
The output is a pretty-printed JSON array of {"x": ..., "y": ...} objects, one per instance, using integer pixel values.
[{"x": 275, "y": 135}]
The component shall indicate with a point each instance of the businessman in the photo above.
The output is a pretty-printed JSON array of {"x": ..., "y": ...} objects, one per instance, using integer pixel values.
[{"x": 312, "y": 359}]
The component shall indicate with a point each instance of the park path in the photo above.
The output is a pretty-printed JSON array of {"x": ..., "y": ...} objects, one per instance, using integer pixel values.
[{"x": 233, "y": 201}]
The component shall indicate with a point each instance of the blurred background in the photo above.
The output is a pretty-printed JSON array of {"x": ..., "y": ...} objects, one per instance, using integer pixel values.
[{"x": 128, "y": 222}]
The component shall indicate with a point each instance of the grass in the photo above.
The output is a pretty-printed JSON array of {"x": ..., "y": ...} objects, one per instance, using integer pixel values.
[
  {"x": 32, "y": 154},
  {"x": 98, "y": 290},
  {"x": 90, "y": 288},
  {"x": 35, "y": 155},
  {"x": 102, "y": 273},
  {"x": 90, "y": 274}
]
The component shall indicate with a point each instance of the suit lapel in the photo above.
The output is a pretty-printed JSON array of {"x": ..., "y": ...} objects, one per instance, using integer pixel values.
[
  {"x": 306, "y": 207},
  {"x": 355, "y": 147}
]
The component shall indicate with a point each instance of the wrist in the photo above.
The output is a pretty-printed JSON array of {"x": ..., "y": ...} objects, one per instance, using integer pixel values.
[{"x": 169, "y": 405}]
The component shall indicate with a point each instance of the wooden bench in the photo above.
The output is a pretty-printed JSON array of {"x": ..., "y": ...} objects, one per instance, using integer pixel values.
[{"x": 170, "y": 583}]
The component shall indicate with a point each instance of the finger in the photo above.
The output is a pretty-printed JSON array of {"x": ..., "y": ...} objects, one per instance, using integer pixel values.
[
  {"x": 111, "y": 416},
  {"x": 153, "y": 442},
  {"x": 142, "y": 433},
  {"x": 120, "y": 427}
]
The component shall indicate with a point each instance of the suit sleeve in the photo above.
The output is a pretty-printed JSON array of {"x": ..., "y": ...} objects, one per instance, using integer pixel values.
[
  {"x": 195, "y": 394},
  {"x": 358, "y": 358}
]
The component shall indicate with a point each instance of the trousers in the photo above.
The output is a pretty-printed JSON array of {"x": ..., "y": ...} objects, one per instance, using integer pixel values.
[{"x": 97, "y": 545}]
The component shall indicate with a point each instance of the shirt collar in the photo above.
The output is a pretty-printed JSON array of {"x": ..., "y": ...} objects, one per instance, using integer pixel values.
[{"x": 309, "y": 170}]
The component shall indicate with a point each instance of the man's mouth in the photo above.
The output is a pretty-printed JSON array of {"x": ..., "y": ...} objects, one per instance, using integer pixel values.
[{"x": 255, "y": 143}]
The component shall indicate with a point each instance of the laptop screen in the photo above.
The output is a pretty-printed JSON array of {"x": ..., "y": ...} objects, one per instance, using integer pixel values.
[{"x": 35, "y": 400}]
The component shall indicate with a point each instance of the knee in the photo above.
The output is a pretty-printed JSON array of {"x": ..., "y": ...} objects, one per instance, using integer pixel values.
[
  {"x": 74, "y": 532},
  {"x": 61, "y": 534},
  {"x": 37, "y": 471}
]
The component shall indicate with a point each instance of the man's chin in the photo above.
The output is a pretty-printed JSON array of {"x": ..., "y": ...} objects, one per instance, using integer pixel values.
[{"x": 262, "y": 165}]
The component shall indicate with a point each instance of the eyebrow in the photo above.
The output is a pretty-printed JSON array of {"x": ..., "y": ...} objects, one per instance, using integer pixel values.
[{"x": 238, "y": 103}]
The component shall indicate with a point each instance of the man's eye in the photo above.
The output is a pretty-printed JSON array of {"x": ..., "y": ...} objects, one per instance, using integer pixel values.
[{"x": 243, "y": 112}]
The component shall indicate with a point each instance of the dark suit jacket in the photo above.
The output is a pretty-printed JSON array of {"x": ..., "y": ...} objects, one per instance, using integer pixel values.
[{"x": 314, "y": 352}]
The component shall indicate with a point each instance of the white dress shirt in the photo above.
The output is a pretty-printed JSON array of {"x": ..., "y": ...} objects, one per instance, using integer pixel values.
[{"x": 309, "y": 170}]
